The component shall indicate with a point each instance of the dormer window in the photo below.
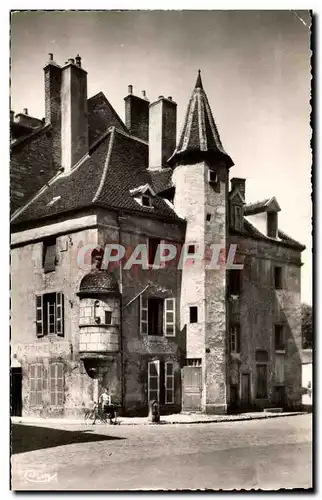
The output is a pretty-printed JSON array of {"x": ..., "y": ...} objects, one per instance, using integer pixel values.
[
  {"x": 272, "y": 224},
  {"x": 146, "y": 201},
  {"x": 143, "y": 195}
]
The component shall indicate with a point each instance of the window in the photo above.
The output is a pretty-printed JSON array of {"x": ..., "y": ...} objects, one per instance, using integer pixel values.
[
  {"x": 97, "y": 258},
  {"x": 193, "y": 362},
  {"x": 169, "y": 382},
  {"x": 208, "y": 217},
  {"x": 36, "y": 384},
  {"x": 155, "y": 319},
  {"x": 157, "y": 316},
  {"x": 261, "y": 356},
  {"x": 56, "y": 384},
  {"x": 153, "y": 248},
  {"x": 235, "y": 338},
  {"x": 261, "y": 381},
  {"x": 279, "y": 338},
  {"x": 146, "y": 201},
  {"x": 278, "y": 277},
  {"x": 49, "y": 255},
  {"x": 191, "y": 249},
  {"x": 50, "y": 314},
  {"x": 108, "y": 317},
  {"x": 272, "y": 224},
  {"x": 212, "y": 176},
  {"x": 154, "y": 380},
  {"x": 234, "y": 282},
  {"x": 193, "y": 310},
  {"x": 238, "y": 217}
]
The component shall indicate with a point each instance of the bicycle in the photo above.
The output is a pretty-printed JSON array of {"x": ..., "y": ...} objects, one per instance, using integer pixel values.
[{"x": 97, "y": 413}]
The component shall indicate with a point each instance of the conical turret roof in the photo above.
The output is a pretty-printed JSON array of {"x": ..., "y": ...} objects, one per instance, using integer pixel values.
[{"x": 199, "y": 137}]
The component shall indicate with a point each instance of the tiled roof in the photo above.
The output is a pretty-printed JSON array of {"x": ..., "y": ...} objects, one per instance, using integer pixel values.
[
  {"x": 117, "y": 164},
  {"x": 98, "y": 282},
  {"x": 101, "y": 116},
  {"x": 199, "y": 135},
  {"x": 161, "y": 180},
  {"x": 262, "y": 206},
  {"x": 251, "y": 231}
]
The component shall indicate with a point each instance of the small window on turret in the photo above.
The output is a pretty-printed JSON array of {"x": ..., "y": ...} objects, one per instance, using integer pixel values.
[
  {"x": 212, "y": 177},
  {"x": 208, "y": 218},
  {"x": 108, "y": 317}
]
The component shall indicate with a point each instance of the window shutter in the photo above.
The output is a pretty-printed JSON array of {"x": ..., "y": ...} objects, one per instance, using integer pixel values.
[
  {"x": 169, "y": 382},
  {"x": 60, "y": 314},
  {"x": 169, "y": 317},
  {"x": 39, "y": 316},
  {"x": 49, "y": 256},
  {"x": 154, "y": 380},
  {"x": 143, "y": 315}
]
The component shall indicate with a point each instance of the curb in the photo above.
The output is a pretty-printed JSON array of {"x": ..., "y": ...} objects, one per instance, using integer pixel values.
[{"x": 164, "y": 422}]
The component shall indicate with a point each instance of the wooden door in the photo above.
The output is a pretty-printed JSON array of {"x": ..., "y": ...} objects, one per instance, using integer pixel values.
[
  {"x": 245, "y": 389},
  {"x": 191, "y": 388}
]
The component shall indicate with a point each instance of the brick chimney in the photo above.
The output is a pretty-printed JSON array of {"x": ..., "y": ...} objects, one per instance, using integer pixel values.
[
  {"x": 52, "y": 73},
  {"x": 162, "y": 131},
  {"x": 137, "y": 114},
  {"x": 74, "y": 119},
  {"x": 238, "y": 183}
]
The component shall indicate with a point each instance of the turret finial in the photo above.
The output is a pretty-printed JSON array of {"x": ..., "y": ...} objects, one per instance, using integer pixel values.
[{"x": 199, "y": 82}]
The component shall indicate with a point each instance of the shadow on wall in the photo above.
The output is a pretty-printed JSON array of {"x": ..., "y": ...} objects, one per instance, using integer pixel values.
[{"x": 31, "y": 437}]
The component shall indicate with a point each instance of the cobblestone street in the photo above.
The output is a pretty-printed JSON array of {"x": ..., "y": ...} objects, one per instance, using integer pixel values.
[{"x": 268, "y": 454}]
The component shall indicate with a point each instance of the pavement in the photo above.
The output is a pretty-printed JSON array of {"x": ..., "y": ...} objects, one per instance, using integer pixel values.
[
  {"x": 267, "y": 454},
  {"x": 178, "y": 418}
]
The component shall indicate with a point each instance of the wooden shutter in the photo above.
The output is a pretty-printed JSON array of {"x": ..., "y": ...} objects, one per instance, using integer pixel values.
[
  {"x": 169, "y": 382},
  {"x": 143, "y": 315},
  {"x": 169, "y": 317},
  {"x": 60, "y": 314},
  {"x": 49, "y": 255},
  {"x": 39, "y": 316},
  {"x": 154, "y": 380},
  {"x": 56, "y": 384}
]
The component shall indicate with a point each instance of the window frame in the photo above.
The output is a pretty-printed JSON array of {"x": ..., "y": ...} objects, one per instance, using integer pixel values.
[
  {"x": 230, "y": 281},
  {"x": 279, "y": 346},
  {"x": 195, "y": 310},
  {"x": 279, "y": 283},
  {"x": 234, "y": 333},
  {"x": 47, "y": 244},
  {"x": 42, "y": 321},
  {"x": 144, "y": 322}
]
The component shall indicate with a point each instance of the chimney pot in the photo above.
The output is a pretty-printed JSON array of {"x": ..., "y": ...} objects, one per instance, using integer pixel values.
[
  {"x": 78, "y": 61},
  {"x": 130, "y": 89},
  {"x": 143, "y": 93},
  {"x": 51, "y": 56},
  {"x": 161, "y": 97},
  {"x": 71, "y": 60},
  {"x": 170, "y": 98},
  {"x": 25, "y": 111}
]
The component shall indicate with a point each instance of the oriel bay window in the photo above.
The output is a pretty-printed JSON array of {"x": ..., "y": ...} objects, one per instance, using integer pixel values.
[
  {"x": 50, "y": 314},
  {"x": 157, "y": 316}
]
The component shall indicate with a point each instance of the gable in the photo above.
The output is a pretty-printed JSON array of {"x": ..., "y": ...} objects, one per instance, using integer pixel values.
[
  {"x": 101, "y": 116},
  {"x": 236, "y": 196}
]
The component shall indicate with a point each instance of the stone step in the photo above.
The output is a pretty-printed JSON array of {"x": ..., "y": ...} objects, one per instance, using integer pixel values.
[{"x": 273, "y": 410}]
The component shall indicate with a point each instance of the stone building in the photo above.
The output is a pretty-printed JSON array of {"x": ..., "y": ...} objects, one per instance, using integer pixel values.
[{"x": 197, "y": 336}]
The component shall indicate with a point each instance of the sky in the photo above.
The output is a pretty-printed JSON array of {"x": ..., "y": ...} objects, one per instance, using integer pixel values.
[{"x": 255, "y": 67}]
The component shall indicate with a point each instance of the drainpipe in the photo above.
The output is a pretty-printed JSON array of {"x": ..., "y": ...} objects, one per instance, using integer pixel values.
[{"x": 121, "y": 319}]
